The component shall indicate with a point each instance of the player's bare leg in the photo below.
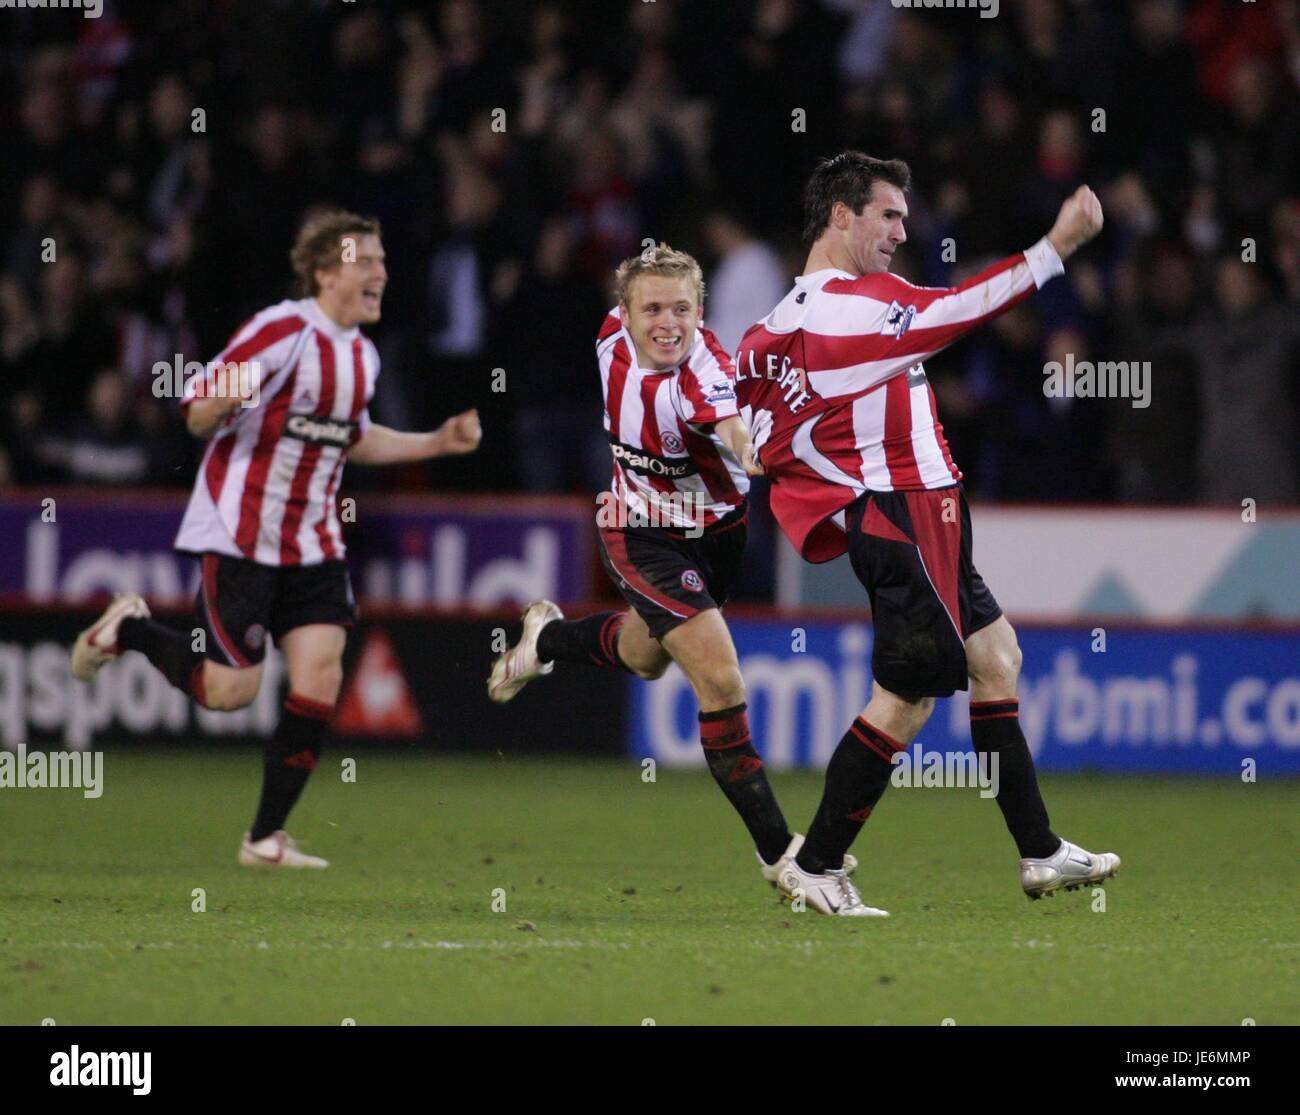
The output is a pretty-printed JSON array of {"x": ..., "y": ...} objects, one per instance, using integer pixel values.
[
  {"x": 640, "y": 651},
  {"x": 180, "y": 658},
  {"x": 1047, "y": 862},
  {"x": 314, "y": 657},
  {"x": 856, "y": 778},
  {"x": 225, "y": 688},
  {"x": 703, "y": 648},
  {"x": 648, "y": 659}
]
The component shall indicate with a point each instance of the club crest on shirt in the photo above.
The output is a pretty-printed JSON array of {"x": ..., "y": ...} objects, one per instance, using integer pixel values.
[
  {"x": 898, "y": 320},
  {"x": 671, "y": 441}
]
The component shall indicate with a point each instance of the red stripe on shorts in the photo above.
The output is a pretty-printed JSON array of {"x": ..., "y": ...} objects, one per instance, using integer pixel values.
[
  {"x": 939, "y": 541},
  {"x": 616, "y": 546}
]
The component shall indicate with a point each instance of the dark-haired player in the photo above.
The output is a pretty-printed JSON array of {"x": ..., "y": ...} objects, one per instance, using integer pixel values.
[
  {"x": 282, "y": 407},
  {"x": 846, "y": 427}
]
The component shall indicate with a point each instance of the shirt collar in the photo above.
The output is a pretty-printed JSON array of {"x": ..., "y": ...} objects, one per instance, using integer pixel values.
[{"x": 328, "y": 325}]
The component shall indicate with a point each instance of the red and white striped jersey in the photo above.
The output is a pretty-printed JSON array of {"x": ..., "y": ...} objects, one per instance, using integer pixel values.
[
  {"x": 660, "y": 427},
  {"x": 266, "y": 486},
  {"x": 832, "y": 386}
]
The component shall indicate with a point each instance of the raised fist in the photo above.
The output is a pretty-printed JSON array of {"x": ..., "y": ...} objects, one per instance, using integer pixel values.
[{"x": 1079, "y": 220}]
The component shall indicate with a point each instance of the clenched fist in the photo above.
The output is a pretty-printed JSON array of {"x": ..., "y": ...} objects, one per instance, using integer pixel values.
[
  {"x": 460, "y": 434},
  {"x": 1079, "y": 220}
]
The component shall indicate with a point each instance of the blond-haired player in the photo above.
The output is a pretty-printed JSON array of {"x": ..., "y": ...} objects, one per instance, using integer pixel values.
[{"x": 671, "y": 529}]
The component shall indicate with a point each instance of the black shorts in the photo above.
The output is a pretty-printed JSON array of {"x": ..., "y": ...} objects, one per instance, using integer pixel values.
[
  {"x": 912, "y": 553},
  {"x": 240, "y": 602},
  {"x": 667, "y": 577}
]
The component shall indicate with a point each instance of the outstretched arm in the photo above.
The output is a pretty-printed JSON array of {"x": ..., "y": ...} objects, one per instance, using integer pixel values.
[
  {"x": 384, "y": 446},
  {"x": 881, "y": 325}
]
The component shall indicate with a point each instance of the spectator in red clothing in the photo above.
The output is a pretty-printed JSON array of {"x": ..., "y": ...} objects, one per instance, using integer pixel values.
[
  {"x": 604, "y": 207},
  {"x": 1226, "y": 33}
]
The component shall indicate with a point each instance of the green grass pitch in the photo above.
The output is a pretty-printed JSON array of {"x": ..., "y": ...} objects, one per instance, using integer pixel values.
[{"x": 627, "y": 900}]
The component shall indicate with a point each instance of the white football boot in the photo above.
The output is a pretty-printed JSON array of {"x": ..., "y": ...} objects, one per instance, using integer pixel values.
[
  {"x": 1069, "y": 867},
  {"x": 277, "y": 850},
  {"x": 832, "y": 893},
  {"x": 98, "y": 643},
  {"x": 772, "y": 871},
  {"x": 519, "y": 664}
]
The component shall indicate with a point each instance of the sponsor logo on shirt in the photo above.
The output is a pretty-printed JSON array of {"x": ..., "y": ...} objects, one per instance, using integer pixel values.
[
  {"x": 651, "y": 464},
  {"x": 320, "y": 431}
]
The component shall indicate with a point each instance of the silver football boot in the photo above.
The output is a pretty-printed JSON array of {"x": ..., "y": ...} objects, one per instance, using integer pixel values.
[
  {"x": 1068, "y": 868},
  {"x": 831, "y": 893},
  {"x": 772, "y": 871}
]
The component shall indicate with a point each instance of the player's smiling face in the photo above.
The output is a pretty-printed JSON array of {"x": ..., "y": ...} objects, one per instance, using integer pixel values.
[
  {"x": 352, "y": 293},
  {"x": 873, "y": 235},
  {"x": 662, "y": 313}
]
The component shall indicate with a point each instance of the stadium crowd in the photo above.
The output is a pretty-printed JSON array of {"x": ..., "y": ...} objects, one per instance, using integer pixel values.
[{"x": 516, "y": 152}]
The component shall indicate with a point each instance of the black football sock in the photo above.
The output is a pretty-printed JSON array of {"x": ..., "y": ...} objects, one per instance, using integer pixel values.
[
  {"x": 592, "y": 639},
  {"x": 291, "y": 756},
  {"x": 170, "y": 651},
  {"x": 856, "y": 777},
  {"x": 737, "y": 769},
  {"x": 995, "y": 730}
]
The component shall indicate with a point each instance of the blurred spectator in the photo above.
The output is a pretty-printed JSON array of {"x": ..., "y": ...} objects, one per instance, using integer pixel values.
[
  {"x": 746, "y": 282},
  {"x": 1225, "y": 33},
  {"x": 74, "y": 340},
  {"x": 1152, "y": 450},
  {"x": 1058, "y": 170},
  {"x": 104, "y": 445},
  {"x": 516, "y": 153},
  {"x": 865, "y": 48},
  {"x": 549, "y": 326},
  {"x": 1286, "y": 240},
  {"x": 603, "y": 208},
  {"x": 459, "y": 316},
  {"x": 1248, "y": 355},
  {"x": 1257, "y": 148}
]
